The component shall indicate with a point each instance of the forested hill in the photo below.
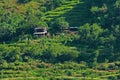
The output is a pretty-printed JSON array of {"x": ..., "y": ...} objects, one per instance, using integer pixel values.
[
  {"x": 98, "y": 22},
  {"x": 27, "y": 14},
  {"x": 79, "y": 12},
  {"x": 82, "y": 43}
]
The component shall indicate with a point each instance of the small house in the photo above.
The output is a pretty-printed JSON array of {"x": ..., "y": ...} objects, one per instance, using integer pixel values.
[
  {"x": 71, "y": 30},
  {"x": 40, "y": 31}
]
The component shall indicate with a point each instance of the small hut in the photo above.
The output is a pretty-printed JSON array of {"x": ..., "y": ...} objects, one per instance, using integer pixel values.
[
  {"x": 40, "y": 31},
  {"x": 71, "y": 30}
]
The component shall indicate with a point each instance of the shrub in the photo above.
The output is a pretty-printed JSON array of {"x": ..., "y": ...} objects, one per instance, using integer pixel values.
[
  {"x": 117, "y": 64},
  {"x": 112, "y": 66},
  {"x": 102, "y": 67},
  {"x": 69, "y": 73},
  {"x": 112, "y": 78}
]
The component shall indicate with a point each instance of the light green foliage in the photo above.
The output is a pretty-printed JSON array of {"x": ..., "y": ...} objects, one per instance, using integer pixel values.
[
  {"x": 90, "y": 33},
  {"x": 10, "y": 53},
  {"x": 117, "y": 3},
  {"x": 95, "y": 9},
  {"x": 46, "y": 49}
]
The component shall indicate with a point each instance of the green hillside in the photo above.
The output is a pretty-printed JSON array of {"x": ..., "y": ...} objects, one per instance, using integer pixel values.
[
  {"x": 76, "y": 13},
  {"x": 59, "y": 39},
  {"x": 61, "y": 11},
  {"x": 79, "y": 12},
  {"x": 79, "y": 15}
]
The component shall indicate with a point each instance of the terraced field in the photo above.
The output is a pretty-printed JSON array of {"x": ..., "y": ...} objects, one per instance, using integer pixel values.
[
  {"x": 60, "y": 11},
  {"x": 76, "y": 13},
  {"x": 43, "y": 71}
]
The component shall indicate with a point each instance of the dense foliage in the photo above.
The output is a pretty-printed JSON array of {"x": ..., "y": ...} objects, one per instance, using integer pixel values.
[
  {"x": 97, "y": 39},
  {"x": 99, "y": 25}
]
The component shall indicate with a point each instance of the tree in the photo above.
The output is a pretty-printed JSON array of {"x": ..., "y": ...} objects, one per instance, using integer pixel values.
[
  {"x": 95, "y": 63},
  {"x": 58, "y": 25},
  {"x": 89, "y": 34},
  {"x": 4, "y": 34}
]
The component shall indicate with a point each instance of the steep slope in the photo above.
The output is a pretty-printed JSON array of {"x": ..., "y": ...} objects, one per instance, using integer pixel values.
[
  {"x": 76, "y": 13},
  {"x": 79, "y": 15},
  {"x": 60, "y": 11}
]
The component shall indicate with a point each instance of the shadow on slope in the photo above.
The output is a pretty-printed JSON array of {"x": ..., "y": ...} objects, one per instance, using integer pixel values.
[{"x": 80, "y": 14}]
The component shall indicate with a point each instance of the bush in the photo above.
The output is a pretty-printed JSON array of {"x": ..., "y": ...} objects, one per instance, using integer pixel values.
[
  {"x": 102, "y": 67},
  {"x": 112, "y": 66},
  {"x": 69, "y": 73},
  {"x": 112, "y": 78},
  {"x": 117, "y": 64}
]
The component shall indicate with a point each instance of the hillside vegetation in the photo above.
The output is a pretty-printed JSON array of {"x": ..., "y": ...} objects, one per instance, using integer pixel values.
[{"x": 91, "y": 53}]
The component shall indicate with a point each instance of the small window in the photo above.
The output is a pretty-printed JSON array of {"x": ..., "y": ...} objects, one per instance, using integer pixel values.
[
  {"x": 39, "y": 30},
  {"x": 73, "y": 28}
]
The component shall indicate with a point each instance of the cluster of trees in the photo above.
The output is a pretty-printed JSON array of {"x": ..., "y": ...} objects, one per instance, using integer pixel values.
[
  {"x": 93, "y": 37},
  {"x": 102, "y": 32},
  {"x": 64, "y": 48},
  {"x": 106, "y": 12},
  {"x": 46, "y": 49},
  {"x": 19, "y": 17}
]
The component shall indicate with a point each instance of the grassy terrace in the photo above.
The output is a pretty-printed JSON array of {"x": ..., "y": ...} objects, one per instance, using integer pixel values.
[
  {"x": 37, "y": 70},
  {"x": 60, "y": 11},
  {"x": 76, "y": 13}
]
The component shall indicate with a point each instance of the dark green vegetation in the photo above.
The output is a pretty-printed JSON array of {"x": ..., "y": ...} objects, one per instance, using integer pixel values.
[{"x": 93, "y": 53}]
